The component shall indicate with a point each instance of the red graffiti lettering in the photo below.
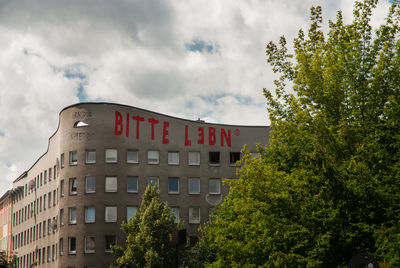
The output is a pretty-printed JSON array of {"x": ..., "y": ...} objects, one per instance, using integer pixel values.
[
  {"x": 153, "y": 122},
  {"x": 225, "y": 136},
  {"x": 138, "y": 119},
  {"x": 211, "y": 136},
  {"x": 118, "y": 123},
  {"x": 187, "y": 141},
  {"x": 165, "y": 133}
]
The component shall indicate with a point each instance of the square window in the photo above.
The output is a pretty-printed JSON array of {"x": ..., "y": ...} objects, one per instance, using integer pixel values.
[
  {"x": 72, "y": 186},
  {"x": 71, "y": 245},
  {"x": 194, "y": 215},
  {"x": 194, "y": 158},
  {"x": 90, "y": 214},
  {"x": 194, "y": 185},
  {"x": 173, "y": 185},
  {"x": 62, "y": 160},
  {"x": 73, "y": 158},
  {"x": 110, "y": 241},
  {"x": 110, "y": 214},
  {"x": 234, "y": 157},
  {"x": 214, "y": 186},
  {"x": 132, "y": 185},
  {"x": 111, "y": 156},
  {"x": 173, "y": 158},
  {"x": 72, "y": 216},
  {"x": 214, "y": 158},
  {"x": 153, "y": 157},
  {"x": 90, "y": 244},
  {"x": 130, "y": 212},
  {"x": 90, "y": 157},
  {"x": 90, "y": 185},
  {"x": 175, "y": 214},
  {"x": 153, "y": 180},
  {"x": 111, "y": 184},
  {"x": 132, "y": 156}
]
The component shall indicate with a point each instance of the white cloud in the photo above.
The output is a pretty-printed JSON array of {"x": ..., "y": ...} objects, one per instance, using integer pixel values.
[{"x": 137, "y": 53}]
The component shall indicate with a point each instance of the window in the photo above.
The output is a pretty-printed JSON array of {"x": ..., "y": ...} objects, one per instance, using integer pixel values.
[
  {"x": 50, "y": 174},
  {"x": 175, "y": 214},
  {"x": 194, "y": 215},
  {"x": 234, "y": 157},
  {"x": 49, "y": 226},
  {"x": 110, "y": 214},
  {"x": 62, "y": 187},
  {"x": 55, "y": 172},
  {"x": 54, "y": 197},
  {"x": 61, "y": 246},
  {"x": 44, "y": 255},
  {"x": 71, "y": 245},
  {"x": 214, "y": 158},
  {"x": 173, "y": 185},
  {"x": 62, "y": 217},
  {"x": 62, "y": 160},
  {"x": 194, "y": 158},
  {"x": 72, "y": 216},
  {"x": 90, "y": 184},
  {"x": 73, "y": 158},
  {"x": 214, "y": 186},
  {"x": 111, "y": 184},
  {"x": 44, "y": 202},
  {"x": 48, "y": 253},
  {"x": 49, "y": 200},
  {"x": 153, "y": 180},
  {"x": 132, "y": 156},
  {"x": 130, "y": 212},
  {"x": 110, "y": 241},
  {"x": 45, "y": 178},
  {"x": 72, "y": 186},
  {"x": 173, "y": 158},
  {"x": 90, "y": 244},
  {"x": 153, "y": 157},
  {"x": 90, "y": 214},
  {"x": 194, "y": 185},
  {"x": 90, "y": 157},
  {"x": 132, "y": 185},
  {"x": 53, "y": 252},
  {"x": 111, "y": 155}
]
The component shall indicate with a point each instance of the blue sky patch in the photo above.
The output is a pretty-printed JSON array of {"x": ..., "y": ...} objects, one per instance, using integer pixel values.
[{"x": 200, "y": 46}]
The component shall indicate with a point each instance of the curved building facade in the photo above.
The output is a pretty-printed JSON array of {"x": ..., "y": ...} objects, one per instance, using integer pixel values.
[{"x": 69, "y": 206}]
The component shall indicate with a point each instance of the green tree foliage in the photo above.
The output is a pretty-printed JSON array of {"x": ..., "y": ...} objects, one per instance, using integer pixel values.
[
  {"x": 148, "y": 234},
  {"x": 5, "y": 262},
  {"x": 329, "y": 181}
]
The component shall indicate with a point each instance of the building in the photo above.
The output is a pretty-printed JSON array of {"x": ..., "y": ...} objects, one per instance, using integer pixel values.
[
  {"x": 5, "y": 223},
  {"x": 68, "y": 207}
]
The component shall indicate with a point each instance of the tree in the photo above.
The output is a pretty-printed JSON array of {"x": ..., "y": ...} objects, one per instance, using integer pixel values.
[
  {"x": 6, "y": 262},
  {"x": 329, "y": 181},
  {"x": 148, "y": 234}
]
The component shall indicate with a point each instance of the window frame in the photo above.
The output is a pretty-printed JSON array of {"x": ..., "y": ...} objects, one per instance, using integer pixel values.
[
  {"x": 173, "y": 179},
  {"x": 127, "y": 208},
  {"x": 87, "y": 190},
  {"x": 72, "y": 221},
  {"x": 86, "y": 214},
  {"x": 107, "y": 249},
  {"x": 73, "y": 182},
  {"x": 199, "y": 186},
  {"x": 151, "y": 179},
  {"x": 176, "y": 220},
  {"x": 86, "y": 250},
  {"x": 73, "y": 161},
  {"x": 71, "y": 252},
  {"x": 107, "y": 189},
  {"x": 211, "y": 156},
  {"x": 233, "y": 156},
  {"x": 170, "y": 158},
  {"x": 87, "y": 157},
  {"x": 112, "y": 161},
  {"x": 151, "y": 162},
  {"x": 108, "y": 213},
  {"x": 210, "y": 181},
  {"x": 132, "y": 161},
  {"x": 190, "y": 163},
  {"x": 191, "y": 221},
  {"x": 127, "y": 184}
]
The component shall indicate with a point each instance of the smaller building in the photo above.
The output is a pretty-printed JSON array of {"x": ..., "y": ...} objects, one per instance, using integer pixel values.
[{"x": 5, "y": 223}]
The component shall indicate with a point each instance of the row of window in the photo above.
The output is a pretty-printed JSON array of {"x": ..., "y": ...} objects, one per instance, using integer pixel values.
[
  {"x": 38, "y": 257},
  {"x": 34, "y": 233},
  {"x": 110, "y": 214},
  {"x": 37, "y": 182},
  {"x": 35, "y": 207},
  {"x": 153, "y": 157},
  {"x": 132, "y": 185}
]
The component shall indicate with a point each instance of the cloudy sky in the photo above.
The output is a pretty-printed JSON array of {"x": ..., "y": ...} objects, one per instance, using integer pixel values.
[{"x": 191, "y": 59}]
